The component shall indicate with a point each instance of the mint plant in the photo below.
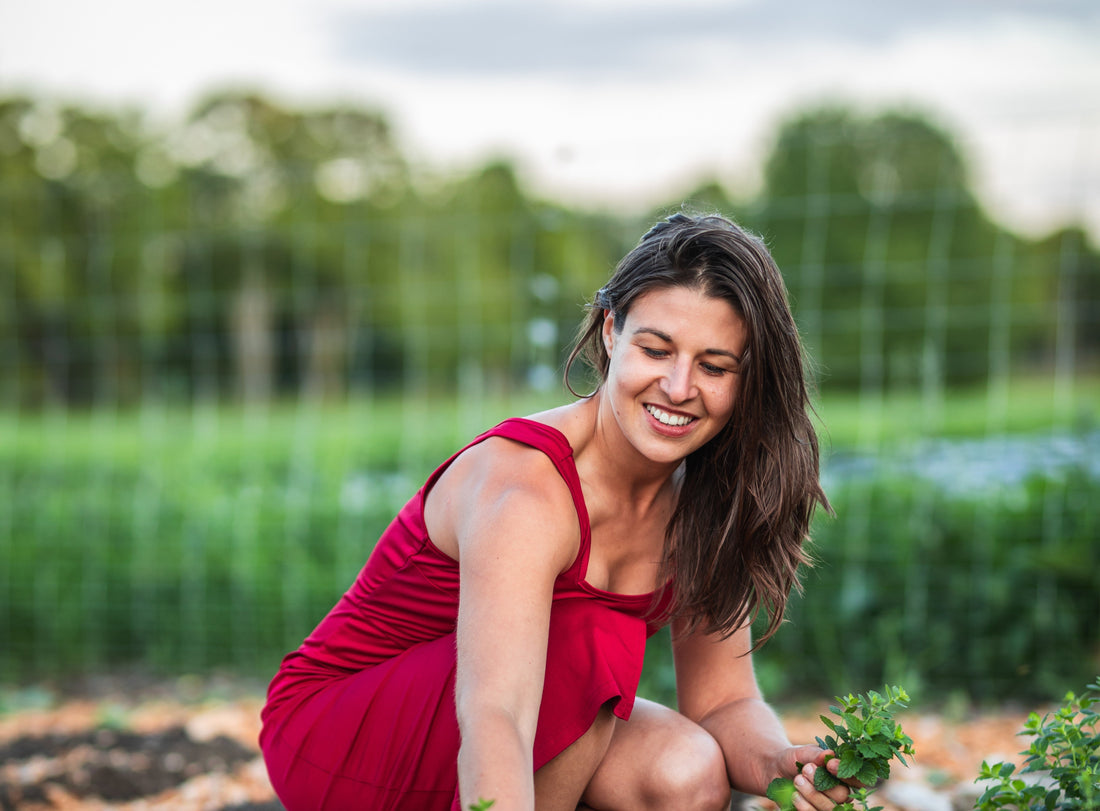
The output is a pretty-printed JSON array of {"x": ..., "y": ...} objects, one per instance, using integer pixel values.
[
  {"x": 1065, "y": 750},
  {"x": 866, "y": 738}
]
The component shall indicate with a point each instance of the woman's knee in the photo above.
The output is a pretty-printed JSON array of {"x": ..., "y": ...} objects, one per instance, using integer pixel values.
[{"x": 690, "y": 774}]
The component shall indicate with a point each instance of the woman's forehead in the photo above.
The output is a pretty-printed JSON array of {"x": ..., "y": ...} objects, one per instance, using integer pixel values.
[{"x": 670, "y": 312}]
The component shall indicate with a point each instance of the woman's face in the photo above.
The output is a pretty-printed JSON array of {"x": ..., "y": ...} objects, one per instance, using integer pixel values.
[{"x": 674, "y": 371}]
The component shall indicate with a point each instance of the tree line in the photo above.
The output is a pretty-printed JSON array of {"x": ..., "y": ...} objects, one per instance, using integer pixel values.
[{"x": 254, "y": 251}]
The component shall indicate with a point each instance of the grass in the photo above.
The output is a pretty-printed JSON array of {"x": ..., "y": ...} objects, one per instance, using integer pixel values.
[
  {"x": 385, "y": 433},
  {"x": 193, "y": 538},
  {"x": 395, "y": 432},
  {"x": 1023, "y": 405}
]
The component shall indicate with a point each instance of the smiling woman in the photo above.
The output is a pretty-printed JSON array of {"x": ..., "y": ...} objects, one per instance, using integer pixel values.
[
  {"x": 769, "y": 449},
  {"x": 491, "y": 646}
]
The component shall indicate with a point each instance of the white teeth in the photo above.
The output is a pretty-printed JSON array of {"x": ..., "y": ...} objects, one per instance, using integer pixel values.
[{"x": 667, "y": 419}]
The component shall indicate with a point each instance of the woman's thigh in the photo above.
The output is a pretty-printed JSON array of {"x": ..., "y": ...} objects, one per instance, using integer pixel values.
[{"x": 659, "y": 759}]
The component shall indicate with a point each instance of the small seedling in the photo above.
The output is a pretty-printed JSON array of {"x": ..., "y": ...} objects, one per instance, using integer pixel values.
[
  {"x": 865, "y": 739},
  {"x": 482, "y": 805},
  {"x": 1066, "y": 747}
]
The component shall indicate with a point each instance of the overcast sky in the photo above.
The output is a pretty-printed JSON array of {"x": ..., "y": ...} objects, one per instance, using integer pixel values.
[{"x": 612, "y": 102}]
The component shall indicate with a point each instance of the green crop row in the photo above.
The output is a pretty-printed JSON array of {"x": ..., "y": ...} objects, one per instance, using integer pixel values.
[
  {"x": 152, "y": 546},
  {"x": 992, "y": 595}
]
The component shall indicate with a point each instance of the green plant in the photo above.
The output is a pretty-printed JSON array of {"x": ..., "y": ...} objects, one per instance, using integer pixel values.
[
  {"x": 865, "y": 739},
  {"x": 1066, "y": 749},
  {"x": 482, "y": 805}
]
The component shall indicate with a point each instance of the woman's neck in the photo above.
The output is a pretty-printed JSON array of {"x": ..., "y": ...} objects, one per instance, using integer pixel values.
[{"x": 607, "y": 461}]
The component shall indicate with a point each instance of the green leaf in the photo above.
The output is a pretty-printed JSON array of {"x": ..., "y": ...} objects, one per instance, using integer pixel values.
[
  {"x": 875, "y": 749},
  {"x": 781, "y": 792},
  {"x": 869, "y": 775},
  {"x": 824, "y": 780},
  {"x": 850, "y": 764}
]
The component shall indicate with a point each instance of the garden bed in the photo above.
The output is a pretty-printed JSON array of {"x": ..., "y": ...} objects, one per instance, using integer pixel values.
[{"x": 190, "y": 746}]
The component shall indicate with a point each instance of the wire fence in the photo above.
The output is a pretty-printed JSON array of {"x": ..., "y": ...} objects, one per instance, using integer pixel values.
[{"x": 207, "y": 417}]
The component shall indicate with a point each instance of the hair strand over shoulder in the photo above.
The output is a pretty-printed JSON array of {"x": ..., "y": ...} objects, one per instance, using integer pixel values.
[{"x": 734, "y": 546}]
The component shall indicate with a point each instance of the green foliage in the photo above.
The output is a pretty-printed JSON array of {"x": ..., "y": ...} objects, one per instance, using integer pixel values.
[
  {"x": 1065, "y": 752},
  {"x": 866, "y": 738},
  {"x": 919, "y": 578},
  {"x": 914, "y": 570},
  {"x": 781, "y": 792},
  {"x": 191, "y": 540},
  {"x": 255, "y": 250},
  {"x": 188, "y": 542},
  {"x": 876, "y": 211},
  {"x": 482, "y": 805}
]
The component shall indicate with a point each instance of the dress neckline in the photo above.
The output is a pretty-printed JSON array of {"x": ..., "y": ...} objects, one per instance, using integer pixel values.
[{"x": 573, "y": 480}]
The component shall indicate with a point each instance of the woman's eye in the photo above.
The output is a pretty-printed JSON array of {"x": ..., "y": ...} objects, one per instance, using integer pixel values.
[
  {"x": 711, "y": 369},
  {"x": 654, "y": 353}
]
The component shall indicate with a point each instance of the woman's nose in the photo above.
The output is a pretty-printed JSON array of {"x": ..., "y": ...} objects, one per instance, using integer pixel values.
[{"x": 677, "y": 384}]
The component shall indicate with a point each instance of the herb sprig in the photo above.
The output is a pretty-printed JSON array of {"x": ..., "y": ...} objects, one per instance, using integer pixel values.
[
  {"x": 1066, "y": 746},
  {"x": 865, "y": 739}
]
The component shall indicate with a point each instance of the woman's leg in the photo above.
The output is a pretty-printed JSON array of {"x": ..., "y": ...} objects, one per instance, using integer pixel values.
[
  {"x": 658, "y": 760},
  {"x": 560, "y": 783}
]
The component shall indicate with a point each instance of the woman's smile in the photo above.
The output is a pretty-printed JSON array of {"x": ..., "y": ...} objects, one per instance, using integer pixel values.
[{"x": 667, "y": 418}]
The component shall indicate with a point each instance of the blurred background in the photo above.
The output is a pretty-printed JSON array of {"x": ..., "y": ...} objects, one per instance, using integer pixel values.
[{"x": 263, "y": 266}]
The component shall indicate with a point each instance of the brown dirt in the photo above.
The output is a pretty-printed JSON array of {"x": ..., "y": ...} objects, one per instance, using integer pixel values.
[{"x": 152, "y": 750}]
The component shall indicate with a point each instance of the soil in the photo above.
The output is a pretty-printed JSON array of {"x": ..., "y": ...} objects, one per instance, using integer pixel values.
[{"x": 191, "y": 746}]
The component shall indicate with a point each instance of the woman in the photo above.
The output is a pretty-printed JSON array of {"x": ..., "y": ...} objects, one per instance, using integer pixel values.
[{"x": 492, "y": 644}]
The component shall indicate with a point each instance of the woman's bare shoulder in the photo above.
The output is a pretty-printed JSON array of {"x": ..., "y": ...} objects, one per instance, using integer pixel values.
[{"x": 505, "y": 482}]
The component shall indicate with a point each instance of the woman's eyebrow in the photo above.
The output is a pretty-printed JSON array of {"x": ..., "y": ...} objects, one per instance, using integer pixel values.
[{"x": 664, "y": 336}]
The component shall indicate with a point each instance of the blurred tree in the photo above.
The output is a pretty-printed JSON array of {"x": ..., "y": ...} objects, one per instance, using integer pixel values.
[
  {"x": 19, "y": 184},
  {"x": 1066, "y": 267},
  {"x": 268, "y": 193},
  {"x": 709, "y": 196},
  {"x": 256, "y": 250},
  {"x": 71, "y": 250},
  {"x": 890, "y": 259}
]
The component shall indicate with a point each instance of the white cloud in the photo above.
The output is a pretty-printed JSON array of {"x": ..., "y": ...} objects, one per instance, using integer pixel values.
[{"x": 651, "y": 95}]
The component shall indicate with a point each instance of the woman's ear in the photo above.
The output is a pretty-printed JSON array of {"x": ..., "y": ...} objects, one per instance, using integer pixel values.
[{"x": 608, "y": 331}]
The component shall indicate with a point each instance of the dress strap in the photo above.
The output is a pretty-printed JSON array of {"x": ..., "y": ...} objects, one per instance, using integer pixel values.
[{"x": 554, "y": 444}]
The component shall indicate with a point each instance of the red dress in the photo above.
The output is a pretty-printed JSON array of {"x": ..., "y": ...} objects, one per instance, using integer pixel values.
[{"x": 362, "y": 715}]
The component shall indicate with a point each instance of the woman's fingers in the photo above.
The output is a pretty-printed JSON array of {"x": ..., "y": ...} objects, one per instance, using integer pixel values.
[
  {"x": 833, "y": 765},
  {"x": 808, "y": 798}
]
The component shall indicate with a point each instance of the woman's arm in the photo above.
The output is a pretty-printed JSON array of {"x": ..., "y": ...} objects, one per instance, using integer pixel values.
[
  {"x": 514, "y": 527},
  {"x": 716, "y": 688}
]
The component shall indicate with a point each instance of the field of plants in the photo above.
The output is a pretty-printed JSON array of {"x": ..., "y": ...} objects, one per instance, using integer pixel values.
[
  {"x": 192, "y": 541},
  {"x": 159, "y": 562}
]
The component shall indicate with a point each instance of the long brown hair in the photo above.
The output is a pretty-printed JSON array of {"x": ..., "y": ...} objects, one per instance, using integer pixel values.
[{"x": 735, "y": 541}]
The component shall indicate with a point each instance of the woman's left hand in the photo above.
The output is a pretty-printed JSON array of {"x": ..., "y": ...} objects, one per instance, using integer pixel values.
[{"x": 806, "y": 797}]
